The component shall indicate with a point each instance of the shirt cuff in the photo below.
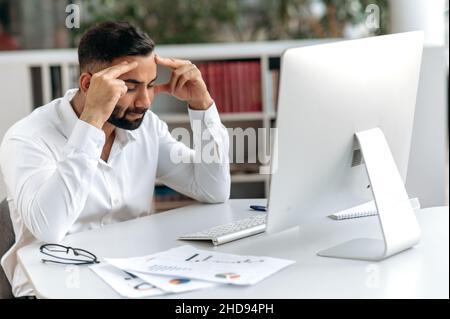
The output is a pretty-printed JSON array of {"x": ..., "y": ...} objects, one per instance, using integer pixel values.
[
  {"x": 87, "y": 138},
  {"x": 209, "y": 116}
]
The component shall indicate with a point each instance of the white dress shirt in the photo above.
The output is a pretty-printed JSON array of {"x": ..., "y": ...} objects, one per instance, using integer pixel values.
[{"x": 57, "y": 184}]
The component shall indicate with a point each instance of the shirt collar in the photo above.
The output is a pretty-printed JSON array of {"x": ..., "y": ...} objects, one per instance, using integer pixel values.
[{"x": 69, "y": 118}]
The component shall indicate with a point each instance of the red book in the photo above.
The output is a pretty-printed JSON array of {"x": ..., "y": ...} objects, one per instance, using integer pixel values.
[
  {"x": 241, "y": 86},
  {"x": 202, "y": 68},
  {"x": 234, "y": 78},
  {"x": 210, "y": 80},
  {"x": 220, "y": 79},
  {"x": 214, "y": 85},
  {"x": 227, "y": 87},
  {"x": 256, "y": 105},
  {"x": 251, "y": 105},
  {"x": 248, "y": 86}
]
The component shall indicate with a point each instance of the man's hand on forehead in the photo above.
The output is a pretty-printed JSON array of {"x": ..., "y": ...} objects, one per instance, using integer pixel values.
[
  {"x": 105, "y": 89},
  {"x": 186, "y": 83}
]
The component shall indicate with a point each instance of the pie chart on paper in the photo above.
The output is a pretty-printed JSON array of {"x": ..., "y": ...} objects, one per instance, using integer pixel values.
[{"x": 179, "y": 281}]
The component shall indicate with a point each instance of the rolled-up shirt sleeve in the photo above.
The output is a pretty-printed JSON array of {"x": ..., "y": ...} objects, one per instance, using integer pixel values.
[
  {"x": 201, "y": 172},
  {"x": 49, "y": 191}
]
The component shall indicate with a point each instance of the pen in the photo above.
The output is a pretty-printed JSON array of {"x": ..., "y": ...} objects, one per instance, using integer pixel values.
[{"x": 258, "y": 208}]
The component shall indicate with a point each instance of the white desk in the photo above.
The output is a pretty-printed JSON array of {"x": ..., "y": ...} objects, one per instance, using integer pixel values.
[{"x": 421, "y": 272}]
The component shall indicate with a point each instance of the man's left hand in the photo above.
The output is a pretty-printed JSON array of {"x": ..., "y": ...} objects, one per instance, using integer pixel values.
[{"x": 186, "y": 83}]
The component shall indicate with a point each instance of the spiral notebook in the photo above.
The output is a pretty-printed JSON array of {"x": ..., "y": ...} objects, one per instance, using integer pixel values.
[{"x": 367, "y": 209}]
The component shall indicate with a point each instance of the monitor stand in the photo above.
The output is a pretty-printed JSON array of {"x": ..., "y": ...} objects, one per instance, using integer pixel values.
[{"x": 397, "y": 219}]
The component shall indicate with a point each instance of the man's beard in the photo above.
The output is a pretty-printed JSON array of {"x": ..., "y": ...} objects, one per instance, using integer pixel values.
[{"x": 122, "y": 122}]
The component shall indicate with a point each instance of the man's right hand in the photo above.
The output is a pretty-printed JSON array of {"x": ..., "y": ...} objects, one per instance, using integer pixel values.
[{"x": 104, "y": 92}]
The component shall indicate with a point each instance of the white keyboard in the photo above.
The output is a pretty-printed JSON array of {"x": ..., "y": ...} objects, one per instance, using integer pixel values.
[{"x": 228, "y": 232}]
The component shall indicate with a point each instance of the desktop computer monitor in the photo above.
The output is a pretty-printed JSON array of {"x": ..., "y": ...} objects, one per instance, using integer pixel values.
[{"x": 344, "y": 126}]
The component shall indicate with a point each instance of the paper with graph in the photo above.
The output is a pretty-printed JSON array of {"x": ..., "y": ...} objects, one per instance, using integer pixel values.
[
  {"x": 189, "y": 262},
  {"x": 126, "y": 284},
  {"x": 172, "y": 284}
]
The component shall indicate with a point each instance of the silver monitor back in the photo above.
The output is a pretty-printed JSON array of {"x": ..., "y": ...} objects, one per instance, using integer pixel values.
[{"x": 328, "y": 93}]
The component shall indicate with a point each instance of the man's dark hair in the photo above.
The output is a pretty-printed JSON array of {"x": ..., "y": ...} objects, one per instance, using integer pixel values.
[{"x": 107, "y": 41}]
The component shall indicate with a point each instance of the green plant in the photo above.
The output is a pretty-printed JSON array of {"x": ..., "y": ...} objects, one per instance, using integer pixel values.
[{"x": 199, "y": 21}]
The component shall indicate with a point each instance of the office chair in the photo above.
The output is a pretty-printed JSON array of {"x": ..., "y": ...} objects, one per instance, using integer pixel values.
[{"x": 7, "y": 239}]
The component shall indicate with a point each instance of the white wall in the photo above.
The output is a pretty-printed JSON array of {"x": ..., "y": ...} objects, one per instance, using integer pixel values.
[
  {"x": 425, "y": 15},
  {"x": 15, "y": 84},
  {"x": 428, "y": 165},
  {"x": 15, "y": 99}
]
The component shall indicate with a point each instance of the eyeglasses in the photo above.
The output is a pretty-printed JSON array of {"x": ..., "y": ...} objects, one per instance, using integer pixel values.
[{"x": 67, "y": 255}]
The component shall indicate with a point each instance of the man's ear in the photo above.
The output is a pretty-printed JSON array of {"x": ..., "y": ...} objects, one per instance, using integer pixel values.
[{"x": 84, "y": 82}]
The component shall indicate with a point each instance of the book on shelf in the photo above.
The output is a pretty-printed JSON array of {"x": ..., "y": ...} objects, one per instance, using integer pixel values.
[{"x": 235, "y": 86}]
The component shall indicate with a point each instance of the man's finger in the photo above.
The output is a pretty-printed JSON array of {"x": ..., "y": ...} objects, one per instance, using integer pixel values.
[
  {"x": 171, "y": 62},
  {"x": 184, "y": 74},
  {"x": 183, "y": 80},
  {"x": 122, "y": 87},
  {"x": 176, "y": 75},
  {"x": 117, "y": 70}
]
